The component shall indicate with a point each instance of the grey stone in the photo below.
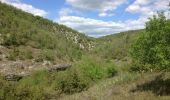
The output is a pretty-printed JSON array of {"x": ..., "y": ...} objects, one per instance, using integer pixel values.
[
  {"x": 13, "y": 77},
  {"x": 61, "y": 67}
]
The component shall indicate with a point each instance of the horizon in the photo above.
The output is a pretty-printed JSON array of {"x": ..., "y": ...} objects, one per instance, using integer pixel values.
[{"x": 95, "y": 18}]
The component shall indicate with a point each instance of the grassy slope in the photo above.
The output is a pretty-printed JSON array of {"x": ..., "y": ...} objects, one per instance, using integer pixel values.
[{"x": 18, "y": 28}]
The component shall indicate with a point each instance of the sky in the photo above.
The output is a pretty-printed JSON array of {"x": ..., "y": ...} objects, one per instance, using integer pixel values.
[{"x": 95, "y": 18}]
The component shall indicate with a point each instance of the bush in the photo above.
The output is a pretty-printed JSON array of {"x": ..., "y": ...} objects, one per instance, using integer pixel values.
[
  {"x": 111, "y": 71},
  {"x": 28, "y": 92},
  {"x": 6, "y": 90},
  {"x": 33, "y": 87},
  {"x": 25, "y": 53},
  {"x": 13, "y": 54},
  {"x": 71, "y": 81},
  {"x": 96, "y": 69},
  {"x": 20, "y": 53},
  {"x": 46, "y": 54},
  {"x": 92, "y": 68},
  {"x": 49, "y": 55},
  {"x": 39, "y": 58}
]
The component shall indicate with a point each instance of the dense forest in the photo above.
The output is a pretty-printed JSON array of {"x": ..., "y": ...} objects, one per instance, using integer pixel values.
[{"x": 131, "y": 65}]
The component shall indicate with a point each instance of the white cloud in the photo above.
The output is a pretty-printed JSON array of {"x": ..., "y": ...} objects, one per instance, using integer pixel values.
[
  {"x": 148, "y": 7},
  {"x": 97, "y": 28},
  {"x": 106, "y": 14},
  {"x": 143, "y": 2},
  {"x": 133, "y": 8},
  {"x": 65, "y": 11},
  {"x": 101, "y": 6},
  {"x": 26, "y": 7}
]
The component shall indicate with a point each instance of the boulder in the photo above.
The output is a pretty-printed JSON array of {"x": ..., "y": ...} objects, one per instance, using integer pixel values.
[
  {"x": 13, "y": 77},
  {"x": 61, "y": 67}
]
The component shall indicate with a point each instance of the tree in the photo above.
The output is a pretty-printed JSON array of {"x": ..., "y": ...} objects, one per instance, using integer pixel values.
[{"x": 153, "y": 46}]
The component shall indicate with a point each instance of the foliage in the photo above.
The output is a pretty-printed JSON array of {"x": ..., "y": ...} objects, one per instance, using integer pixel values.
[
  {"x": 20, "y": 53},
  {"x": 49, "y": 55},
  {"x": 111, "y": 71},
  {"x": 95, "y": 68},
  {"x": 71, "y": 81},
  {"x": 152, "y": 48},
  {"x": 33, "y": 87}
]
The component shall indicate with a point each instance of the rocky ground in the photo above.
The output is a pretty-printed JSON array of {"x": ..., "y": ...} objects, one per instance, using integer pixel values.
[{"x": 24, "y": 67}]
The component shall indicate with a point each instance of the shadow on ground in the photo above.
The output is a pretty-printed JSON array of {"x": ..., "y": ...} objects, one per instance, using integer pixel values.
[{"x": 159, "y": 86}]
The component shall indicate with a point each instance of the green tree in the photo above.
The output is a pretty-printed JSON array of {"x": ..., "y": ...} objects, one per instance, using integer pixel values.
[{"x": 152, "y": 48}]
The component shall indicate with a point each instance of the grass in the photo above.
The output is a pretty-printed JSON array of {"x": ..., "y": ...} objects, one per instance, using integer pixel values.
[{"x": 121, "y": 88}]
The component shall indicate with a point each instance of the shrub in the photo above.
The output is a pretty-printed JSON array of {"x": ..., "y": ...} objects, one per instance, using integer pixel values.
[
  {"x": 20, "y": 53},
  {"x": 71, "y": 81},
  {"x": 92, "y": 68},
  {"x": 28, "y": 92},
  {"x": 25, "y": 53},
  {"x": 37, "y": 78},
  {"x": 49, "y": 55},
  {"x": 6, "y": 90},
  {"x": 111, "y": 71},
  {"x": 13, "y": 54},
  {"x": 39, "y": 58},
  {"x": 96, "y": 68},
  {"x": 33, "y": 87}
]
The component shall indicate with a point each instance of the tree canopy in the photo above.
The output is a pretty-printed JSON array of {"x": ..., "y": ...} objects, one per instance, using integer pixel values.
[{"x": 152, "y": 48}]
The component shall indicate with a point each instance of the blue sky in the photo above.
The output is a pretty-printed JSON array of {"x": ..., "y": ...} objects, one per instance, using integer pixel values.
[{"x": 95, "y": 17}]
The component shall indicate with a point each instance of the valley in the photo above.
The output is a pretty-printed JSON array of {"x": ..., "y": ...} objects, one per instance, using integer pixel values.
[{"x": 43, "y": 60}]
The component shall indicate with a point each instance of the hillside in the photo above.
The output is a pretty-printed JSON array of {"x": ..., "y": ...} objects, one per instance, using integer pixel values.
[
  {"x": 37, "y": 41},
  {"x": 116, "y": 46}
]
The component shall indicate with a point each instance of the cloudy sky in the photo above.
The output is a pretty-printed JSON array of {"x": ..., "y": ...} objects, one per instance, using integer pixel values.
[{"x": 95, "y": 17}]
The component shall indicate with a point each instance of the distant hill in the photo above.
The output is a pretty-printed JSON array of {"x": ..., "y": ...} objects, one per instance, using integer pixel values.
[{"x": 116, "y": 46}]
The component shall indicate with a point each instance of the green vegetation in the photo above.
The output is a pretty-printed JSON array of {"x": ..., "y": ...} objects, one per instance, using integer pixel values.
[
  {"x": 101, "y": 68},
  {"x": 44, "y": 85},
  {"x": 18, "y": 28},
  {"x": 115, "y": 46},
  {"x": 20, "y": 53},
  {"x": 152, "y": 49}
]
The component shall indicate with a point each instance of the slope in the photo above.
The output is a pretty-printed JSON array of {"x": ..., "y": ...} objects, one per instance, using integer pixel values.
[{"x": 28, "y": 40}]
